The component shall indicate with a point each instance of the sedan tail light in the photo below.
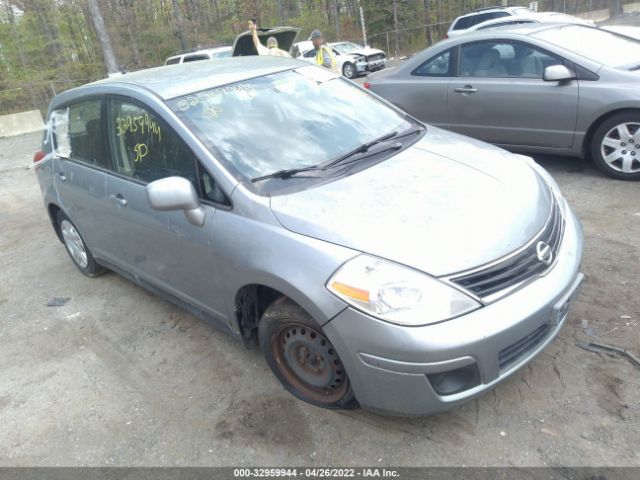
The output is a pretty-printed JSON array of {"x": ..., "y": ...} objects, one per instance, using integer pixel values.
[{"x": 39, "y": 155}]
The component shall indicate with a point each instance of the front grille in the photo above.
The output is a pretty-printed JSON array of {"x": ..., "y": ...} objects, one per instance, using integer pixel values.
[
  {"x": 510, "y": 355},
  {"x": 503, "y": 276},
  {"x": 375, "y": 57}
]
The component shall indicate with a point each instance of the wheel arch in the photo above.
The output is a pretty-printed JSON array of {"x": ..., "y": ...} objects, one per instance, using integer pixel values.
[
  {"x": 53, "y": 210},
  {"x": 252, "y": 299}
]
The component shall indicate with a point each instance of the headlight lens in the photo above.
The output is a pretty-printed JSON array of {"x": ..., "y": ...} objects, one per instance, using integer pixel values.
[{"x": 396, "y": 293}]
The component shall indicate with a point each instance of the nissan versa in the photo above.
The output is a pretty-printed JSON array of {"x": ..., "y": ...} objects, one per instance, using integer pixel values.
[{"x": 375, "y": 260}]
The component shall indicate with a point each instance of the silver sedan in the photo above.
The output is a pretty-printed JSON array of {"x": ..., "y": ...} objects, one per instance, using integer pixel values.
[{"x": 561, "y": 89}]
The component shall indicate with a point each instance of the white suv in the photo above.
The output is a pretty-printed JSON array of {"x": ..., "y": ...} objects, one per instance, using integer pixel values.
[
  {"x": 204, "y": 54},
  {"x": 464, "y": 23}
]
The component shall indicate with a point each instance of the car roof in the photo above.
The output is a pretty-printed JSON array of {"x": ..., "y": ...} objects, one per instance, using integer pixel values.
[{"x": 171, "y": 81}]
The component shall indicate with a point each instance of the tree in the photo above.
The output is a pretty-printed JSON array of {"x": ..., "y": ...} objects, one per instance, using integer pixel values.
[{"x": 103, "y": 37}]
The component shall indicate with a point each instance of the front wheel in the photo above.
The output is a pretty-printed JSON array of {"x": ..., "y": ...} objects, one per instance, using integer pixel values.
[
  {"x": 615, "y": 147},
  {"x": 303, "y": 359},
  {"x": 349, "y": 70}
]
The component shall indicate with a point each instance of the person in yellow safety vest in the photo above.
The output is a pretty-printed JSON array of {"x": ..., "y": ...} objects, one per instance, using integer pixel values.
[
  {"x": 324, "y": 55},
  {"x": 272, "y": 44}
]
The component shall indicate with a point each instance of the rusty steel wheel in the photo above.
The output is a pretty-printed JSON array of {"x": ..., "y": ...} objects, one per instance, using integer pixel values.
[{"x": 302, "y": 357}]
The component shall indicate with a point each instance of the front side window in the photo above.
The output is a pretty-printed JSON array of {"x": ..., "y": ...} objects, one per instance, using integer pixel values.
[
  {"x": 77, "y": 131},
  {"x": 291, "y": 119},
  {"x": 504, "y": 59},
  {"x": 438, "y": 66},
  {"x": 146, "y": 148}
]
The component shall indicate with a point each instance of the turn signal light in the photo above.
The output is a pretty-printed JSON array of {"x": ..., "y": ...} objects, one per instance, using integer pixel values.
[{"x": 367, "y": 85}]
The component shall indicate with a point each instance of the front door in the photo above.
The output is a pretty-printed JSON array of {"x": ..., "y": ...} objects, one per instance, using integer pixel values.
[
  {"x": 499, "y": 96},
  {"x": 161, "y": 248}
]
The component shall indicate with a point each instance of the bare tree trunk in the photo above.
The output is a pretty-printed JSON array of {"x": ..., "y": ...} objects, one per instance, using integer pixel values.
[
  {"x": 395, "y": 27},
  {"x": 428, "y": 30},
  {"x": 132, "y": 31},
  {"x": 336, "y": 17},
  {"x": 103, "y": 37},
  {"x": 177, "y": 15}
]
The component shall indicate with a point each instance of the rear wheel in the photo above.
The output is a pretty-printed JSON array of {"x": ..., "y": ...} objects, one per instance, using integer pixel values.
[
  {"x": 76, "y": 248},
  {"x": 349, "y": 70},
  {"x": 302, "y": 358},
  {"x": 615, "y": 147}
]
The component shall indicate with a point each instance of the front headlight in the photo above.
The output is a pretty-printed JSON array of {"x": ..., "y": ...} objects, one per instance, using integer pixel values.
[{"x": 396, "y": 293}]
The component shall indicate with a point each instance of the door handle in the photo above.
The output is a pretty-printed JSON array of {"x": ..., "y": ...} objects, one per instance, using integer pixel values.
[
  {"x": 61, "y": 176},
  {"x": 466, "y": 89},
  {"x": 120, "y": 200}
]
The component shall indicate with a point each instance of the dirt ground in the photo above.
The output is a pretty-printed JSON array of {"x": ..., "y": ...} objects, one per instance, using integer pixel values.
[{"x": 118, "y": 376}]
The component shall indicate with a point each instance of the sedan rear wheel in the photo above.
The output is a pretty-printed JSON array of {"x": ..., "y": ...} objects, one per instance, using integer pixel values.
[
  {"x": 76, "y": 248},
  {"x": 303, "y": 359},
  {"x": 616, "y": 146}
]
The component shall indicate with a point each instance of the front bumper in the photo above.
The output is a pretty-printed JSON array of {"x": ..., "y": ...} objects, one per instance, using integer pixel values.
[
  {"x": 375, "y": 65},
  {"x": 411, "y": 370}
]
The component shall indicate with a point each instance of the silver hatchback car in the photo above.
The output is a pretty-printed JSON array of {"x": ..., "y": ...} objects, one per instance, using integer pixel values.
[
  {"x": 374, "y": 260},
  {"x": 546, "y": 88}
]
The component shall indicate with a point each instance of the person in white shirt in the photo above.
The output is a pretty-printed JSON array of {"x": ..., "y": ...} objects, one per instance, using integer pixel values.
[{"x": 272, "y": 44}]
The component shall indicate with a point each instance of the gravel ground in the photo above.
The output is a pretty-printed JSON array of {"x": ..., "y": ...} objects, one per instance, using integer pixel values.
[{"x": 118, "y": 376}]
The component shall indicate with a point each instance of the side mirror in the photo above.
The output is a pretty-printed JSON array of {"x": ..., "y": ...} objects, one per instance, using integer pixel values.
[
  {"x": 176, "y": 193},
  {"x": 557, "y": 73}
]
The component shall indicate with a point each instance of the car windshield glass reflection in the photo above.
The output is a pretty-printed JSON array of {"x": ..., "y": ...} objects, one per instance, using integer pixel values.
[
  {"x": 288, "y": 120},
  {"x": 596, "y": 44}
]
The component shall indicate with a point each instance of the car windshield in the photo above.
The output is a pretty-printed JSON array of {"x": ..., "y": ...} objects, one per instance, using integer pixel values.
[
  {"x": 288, "y": 120},
  {"x": 347, "y": 47},
  {"x": 596, "y": 44}
]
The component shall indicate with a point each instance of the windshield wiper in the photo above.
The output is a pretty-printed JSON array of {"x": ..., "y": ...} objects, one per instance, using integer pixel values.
[
  {"x": 635, "y": 67},
  {"x": 366, "y": 150},
  {"x": 285, "y": 173}
]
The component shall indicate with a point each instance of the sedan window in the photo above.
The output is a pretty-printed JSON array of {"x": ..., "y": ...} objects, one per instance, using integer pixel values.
[
  {"x": 438, "y": 66},
  {"x": 501, "y": 59}
]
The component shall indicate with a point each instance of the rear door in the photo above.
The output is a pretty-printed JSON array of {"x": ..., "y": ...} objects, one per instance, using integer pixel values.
[
  {"x": 161, "y": 248},
  {"x": 80, "y": 167},
  {"x": 499, "y": 96}
]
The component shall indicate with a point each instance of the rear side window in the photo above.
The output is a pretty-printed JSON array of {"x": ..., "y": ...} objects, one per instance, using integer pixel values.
[
  {"x": 172, "y": 61},
  {"x": 77, "y": 132}
]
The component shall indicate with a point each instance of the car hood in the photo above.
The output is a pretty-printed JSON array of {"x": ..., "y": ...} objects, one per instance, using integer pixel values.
[
  {"x": 444, "y": 205},
  {"x": 243, "y": 44},
  {"x": 366, "y": 51}
]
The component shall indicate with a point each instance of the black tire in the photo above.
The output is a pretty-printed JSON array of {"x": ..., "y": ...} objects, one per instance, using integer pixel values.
[
  {"x": 77, "y": 249},
  {"x": 315, "y": 358},
  {"x": 613, "y": 166},
  {"x": 349, "y": 70}
]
